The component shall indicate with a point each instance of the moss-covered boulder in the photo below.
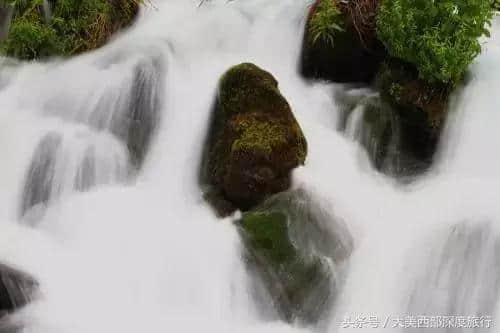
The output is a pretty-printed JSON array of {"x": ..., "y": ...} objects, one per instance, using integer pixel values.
[
  {"x": 420, "y": 106},
  {"x": 298, "y": 253},
  {"x": 64, "y": 27},
  {"x": 254, "y": 141},
  {"x": 340, "y": 42}
]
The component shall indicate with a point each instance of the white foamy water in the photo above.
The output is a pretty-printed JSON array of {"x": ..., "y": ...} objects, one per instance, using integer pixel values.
[{"x": 120, "y": 250}]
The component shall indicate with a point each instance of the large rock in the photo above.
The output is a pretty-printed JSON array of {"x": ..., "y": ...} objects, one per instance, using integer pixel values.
[
  {"x": 16, "y": 289},
  {"x": 254, "y": 141},
  {"x": 298, "y": 252},
  {"x": 348, "y": 54}
]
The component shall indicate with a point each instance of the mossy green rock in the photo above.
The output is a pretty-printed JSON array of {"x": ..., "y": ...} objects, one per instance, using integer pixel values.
[
  {"x": 298, "y": 251},
  {"x": 342, "y": 55},
  {"x": 69, "y": 27},
  {"x": 254, "y": 140}
]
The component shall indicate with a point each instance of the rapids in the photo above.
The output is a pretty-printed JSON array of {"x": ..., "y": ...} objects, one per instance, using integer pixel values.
[{"x": 127, "y": 244}]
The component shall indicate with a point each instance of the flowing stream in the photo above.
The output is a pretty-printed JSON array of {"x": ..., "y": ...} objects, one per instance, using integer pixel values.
[{"x": 123, "y": 242}]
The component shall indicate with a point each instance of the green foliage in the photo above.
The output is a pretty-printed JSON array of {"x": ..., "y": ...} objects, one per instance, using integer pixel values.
[
  {"x": 495, "y": 4},
  {"x": 326, "y": 21},
  {"x": 75, "y": 26},
  {"x": 439, "y": 37},
  {"x": 29, "y": 40}
]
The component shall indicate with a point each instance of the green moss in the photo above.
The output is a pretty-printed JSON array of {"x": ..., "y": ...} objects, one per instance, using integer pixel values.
[
  {"x": 259, "y": 135},
  {"x": 268, "y": 234},
  {"x": 268, "y": 237},
  {"x": 326, "y": 20},
  {"x": 401, "y": 86},
  {"x": 246, "y": 87},
  {"x": 74, "y": 27},
  {"x": 293, "y": 255},
  {"x": 248, "y": 93}
]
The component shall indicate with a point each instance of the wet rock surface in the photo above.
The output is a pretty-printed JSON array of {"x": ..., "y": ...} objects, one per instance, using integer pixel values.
[{"x": 298, "y": 253}]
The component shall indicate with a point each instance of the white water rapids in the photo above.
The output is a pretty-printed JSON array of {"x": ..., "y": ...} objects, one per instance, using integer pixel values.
[{"x": 116, "y": 251}]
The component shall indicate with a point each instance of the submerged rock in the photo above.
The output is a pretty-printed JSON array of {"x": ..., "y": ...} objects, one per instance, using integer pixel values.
[
  {"x": 298, "y": 252},
  {"x": 338, "y": 48},
  {"x": 254, "y": 141},
  {"x": 16, "y": 290},
  {"x": 375, "y": 126},
  {"x": 400, "y": 125},
  {"x": 420, "y": 106}
]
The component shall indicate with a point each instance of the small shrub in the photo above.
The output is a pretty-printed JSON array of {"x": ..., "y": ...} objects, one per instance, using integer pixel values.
[
  {"x": 29, "y": 40},
  {"x": 326, "y": 21},
  {"x": 439, "y": 37}
]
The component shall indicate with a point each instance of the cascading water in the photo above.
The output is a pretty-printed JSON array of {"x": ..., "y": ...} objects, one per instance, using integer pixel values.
[{"x": 101, "y": 202}]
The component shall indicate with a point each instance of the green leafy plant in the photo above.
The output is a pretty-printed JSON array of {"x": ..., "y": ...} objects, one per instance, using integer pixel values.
[
  {"x": 495, "y": 4},
  {"x": 74, "y": 26},
  {"x": 29, "y": 40},
  {"x": 326, "y": 21},
  {"x": 439, "y": 37}
]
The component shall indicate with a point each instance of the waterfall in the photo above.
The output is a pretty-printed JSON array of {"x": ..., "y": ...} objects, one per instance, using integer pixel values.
[{"x": 102, "y": 210}]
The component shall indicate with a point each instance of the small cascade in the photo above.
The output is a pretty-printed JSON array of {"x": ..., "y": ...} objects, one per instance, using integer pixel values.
[
  {"x": 461, "y": 277},
  {"x": 391, "y": 142},
  {"x": 65, "y": 163}
]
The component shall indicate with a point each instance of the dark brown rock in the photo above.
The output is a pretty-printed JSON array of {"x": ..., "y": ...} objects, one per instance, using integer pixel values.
[{"x": 254, "y": 141}]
